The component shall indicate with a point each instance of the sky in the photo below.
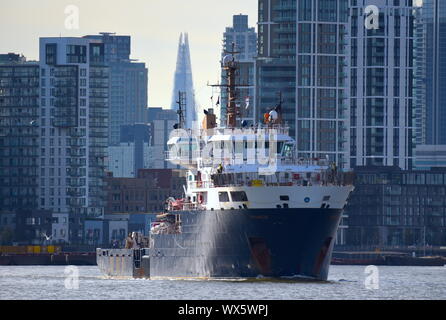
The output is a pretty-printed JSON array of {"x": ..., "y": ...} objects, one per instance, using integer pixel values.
[{"x": 154, "y": 25}]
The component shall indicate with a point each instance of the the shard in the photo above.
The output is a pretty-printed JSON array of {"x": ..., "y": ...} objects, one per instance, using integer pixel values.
[{"x": 183, "y": 82}]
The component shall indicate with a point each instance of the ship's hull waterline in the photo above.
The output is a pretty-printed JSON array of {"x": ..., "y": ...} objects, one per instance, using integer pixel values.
[{"x": 242, "y": 243}]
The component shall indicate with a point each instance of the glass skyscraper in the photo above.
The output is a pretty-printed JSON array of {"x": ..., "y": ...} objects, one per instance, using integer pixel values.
[
  {"x": 127, "y": 87},
  {"x": 434, "y": 20},
  {"x": 183, "y": 82},
  {"x": 303, "y": 60}
]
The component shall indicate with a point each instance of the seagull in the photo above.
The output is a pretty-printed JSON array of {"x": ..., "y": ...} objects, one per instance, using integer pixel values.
[{"x": 46, "y": 237}]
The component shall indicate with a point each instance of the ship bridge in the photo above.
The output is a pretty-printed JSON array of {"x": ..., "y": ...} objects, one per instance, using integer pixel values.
[{"x": 195, "y": 149}]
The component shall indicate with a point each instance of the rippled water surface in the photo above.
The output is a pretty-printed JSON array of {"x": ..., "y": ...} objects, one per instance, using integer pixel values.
[{"x": 345, "y": 282}]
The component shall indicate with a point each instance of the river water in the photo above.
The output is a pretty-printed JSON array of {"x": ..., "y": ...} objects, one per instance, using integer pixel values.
[{"x": 345, "y": 282}]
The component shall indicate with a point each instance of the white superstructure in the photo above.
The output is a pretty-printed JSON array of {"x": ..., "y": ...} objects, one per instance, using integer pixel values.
[{"x": 253, "y": 168}]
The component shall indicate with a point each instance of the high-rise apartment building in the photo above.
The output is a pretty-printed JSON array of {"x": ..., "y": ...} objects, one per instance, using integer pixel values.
[
  {"x": 19, "y": 147},
  {"x": 19, "y": 105},
  {"x": 302, "y": 62},
  {"x": 127, "y": 86},
  {"x": 381, "y": 97},
  {"x": 430, "y": 94},
  {"x": 243, "y": 39},
  {"x": 74, "y": 129},
  {"x": 128, "y": 96},
  {"x": 276, "y": 61}
]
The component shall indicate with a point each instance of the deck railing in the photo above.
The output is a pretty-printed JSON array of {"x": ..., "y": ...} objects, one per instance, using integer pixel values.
[{"x": 318, "y": 179}]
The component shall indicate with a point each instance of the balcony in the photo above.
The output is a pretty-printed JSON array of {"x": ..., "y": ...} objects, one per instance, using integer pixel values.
[
  {"x": 77, "y": 152},
  {"x": 76, "y": 202},
  {"x": 284, "y": 7},
  {"x": 98, "y": 194},
  {"x": 100, "y": 167},
  {"x": 66, "y": 83},
  {"x": 98, "y": 134},
  {"x": 98, "y": 154},
  {"x": 98, "y": 114},
  {"x": 98, "y": 95},
  {"x": 285, "y": 51},
  {"x": 98, "y": 124},
  {"x": 285, "y": 19},
  {"x": 76, "y": 143},
  {"x": 282, "y": 29},
  {"x": 99, "y": 84},
  {"x": 76, "y": 134},
  {"x": 284, "y": 41},
  {"x": 96, "y": 174},
  {"x": 65, "y": 73},
  {"x": 65, "y": 123},
  {"x": 76, "y": 183},
  {"x": 98, "y": 74},
  {"x": 76, "y": 193},
  {"x": 76, "y": 162},
  {"x": 97, "y": 183},
  {"x": 65, "y": 113},
  {"x": 280, "y": 74},
  {"x": 76, "y": 173},
  {"x": 67, "y": 102}
]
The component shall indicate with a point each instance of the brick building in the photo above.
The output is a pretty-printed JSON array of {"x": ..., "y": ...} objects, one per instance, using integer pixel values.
[{"x": 144, "y": 194}]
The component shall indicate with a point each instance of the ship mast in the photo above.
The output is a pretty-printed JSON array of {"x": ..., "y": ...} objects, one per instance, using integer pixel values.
[
  {"x": 181, "y": 107},
  {"x": 230, "y": 66}
]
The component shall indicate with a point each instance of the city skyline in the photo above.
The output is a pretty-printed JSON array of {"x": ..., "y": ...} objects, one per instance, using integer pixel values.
[{"x": 154, "y": 41}]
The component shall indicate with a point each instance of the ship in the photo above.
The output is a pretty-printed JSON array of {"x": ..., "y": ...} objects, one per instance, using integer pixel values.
[{"x": 251, "y": 208}]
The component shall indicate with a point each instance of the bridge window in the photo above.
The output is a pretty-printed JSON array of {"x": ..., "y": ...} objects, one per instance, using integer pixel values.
[
  {"x": 223, "y": 197},
  {"x": 238, "y": 196},
  {"x": 284, "y": 198},
  {"x": 287, "y": 150}
]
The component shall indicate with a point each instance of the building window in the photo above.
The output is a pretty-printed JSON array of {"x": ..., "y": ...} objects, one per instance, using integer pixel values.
[
  {"x": 76, "y": 54},
  {"x": 51, "y": 53}
]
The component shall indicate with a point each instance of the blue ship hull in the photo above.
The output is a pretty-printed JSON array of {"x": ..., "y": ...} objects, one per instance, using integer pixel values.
[{"x": 243, "y": 243}]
